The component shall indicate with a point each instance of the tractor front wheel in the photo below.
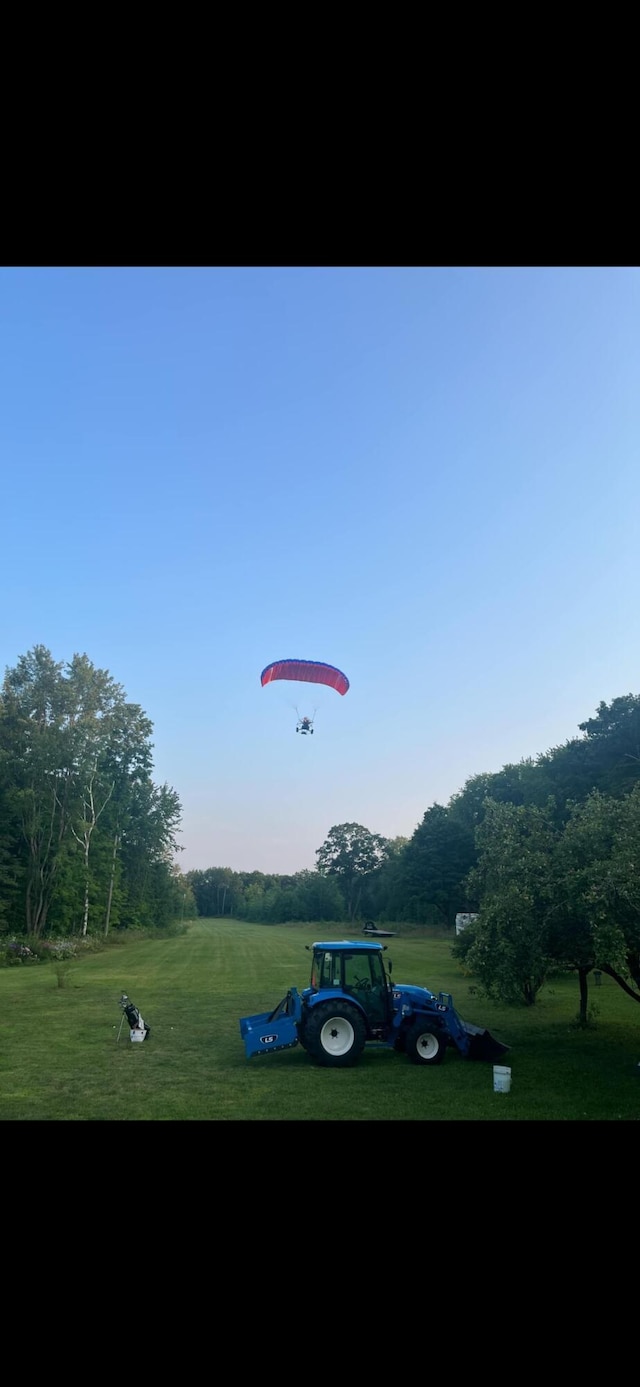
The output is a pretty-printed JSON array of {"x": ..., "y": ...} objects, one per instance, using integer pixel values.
[
  {"x": 425, "y": 1043},
  {"x": 335, "y": 1034}
]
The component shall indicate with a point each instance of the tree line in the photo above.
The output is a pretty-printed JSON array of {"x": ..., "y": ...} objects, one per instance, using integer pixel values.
[
  {"x": 546, "y": 853},
  {"x": 87, "y": 839}
]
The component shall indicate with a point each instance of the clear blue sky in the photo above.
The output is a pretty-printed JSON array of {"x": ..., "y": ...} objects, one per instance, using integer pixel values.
[{"x": 429, "y": 477}]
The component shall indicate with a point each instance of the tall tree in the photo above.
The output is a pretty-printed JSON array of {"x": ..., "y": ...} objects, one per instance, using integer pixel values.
[
  {"x": 39, "y": 755},
  {"x": 75, "y": 772},
  {"x": 552, "y": 895},
  {"x": 149, "y": 842},
  {"x": 11, "y": 866},
  {"x": 433, "y": 868},
  {"x": 508, "y": 945},
  {"x": 595, "y": 922},
  {"x": 383, "y": 891},
  {"x": 127, "y": 765},
  {"x": 613, "y": 740},
  {"x": 92, "y": 699},
  {"x": 95, "y": 797},
  {"x": 351, "y": 853}
]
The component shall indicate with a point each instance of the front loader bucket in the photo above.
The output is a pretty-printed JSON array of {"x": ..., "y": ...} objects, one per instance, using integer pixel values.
[{"x": 482, "y": 1044}]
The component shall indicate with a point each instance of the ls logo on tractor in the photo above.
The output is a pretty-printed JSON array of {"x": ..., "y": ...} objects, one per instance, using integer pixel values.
[{"x": 267, "y": 1039}]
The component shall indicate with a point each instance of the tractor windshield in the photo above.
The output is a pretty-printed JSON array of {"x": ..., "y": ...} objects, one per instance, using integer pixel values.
[
  {"x": 364, "y": 968},
  {"x": 355, "y": 971}
]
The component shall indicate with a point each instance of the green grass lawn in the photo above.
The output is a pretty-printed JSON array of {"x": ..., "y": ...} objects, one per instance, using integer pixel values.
[{"x": 60, "y": 1059}]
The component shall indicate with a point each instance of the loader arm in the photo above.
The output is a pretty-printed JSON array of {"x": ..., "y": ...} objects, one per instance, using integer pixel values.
[{"x": 473, "y": 1041}]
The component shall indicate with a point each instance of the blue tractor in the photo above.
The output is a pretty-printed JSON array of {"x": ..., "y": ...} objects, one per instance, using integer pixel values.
[{"x": 351, "y": 1001}]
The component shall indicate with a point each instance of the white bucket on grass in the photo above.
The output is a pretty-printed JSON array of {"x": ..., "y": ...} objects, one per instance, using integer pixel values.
[{"x": 501, "y": 1078}]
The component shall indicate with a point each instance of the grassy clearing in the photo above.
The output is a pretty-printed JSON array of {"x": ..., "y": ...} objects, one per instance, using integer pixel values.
[{"x": 60, "y": 1061}]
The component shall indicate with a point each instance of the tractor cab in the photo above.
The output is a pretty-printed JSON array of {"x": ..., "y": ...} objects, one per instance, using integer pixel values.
[{"x": 355, "y": 970}]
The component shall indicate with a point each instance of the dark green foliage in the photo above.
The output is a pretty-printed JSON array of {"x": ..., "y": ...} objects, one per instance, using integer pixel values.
[
  {"x": 86, "y": 838},
  {"x": 351, "y": 854},
  {"x": 430, "y": 874},
  {"x": 508, "y": 946},
  {"x": 556, "y": 895},
  {"x": 605, "y": 758},
  {"x": 613, "y": 745},
  {"x": 214, "y": 890},
  {"x": 268, "y": 899}
]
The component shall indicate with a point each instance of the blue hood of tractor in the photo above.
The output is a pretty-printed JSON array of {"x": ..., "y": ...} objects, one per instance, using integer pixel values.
[{"x": 412, "y": 993}]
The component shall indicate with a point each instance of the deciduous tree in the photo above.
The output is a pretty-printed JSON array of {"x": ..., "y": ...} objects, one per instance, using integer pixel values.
[
  {"x": 508, "y": 946},
  {"x": 351, "y": 853}
]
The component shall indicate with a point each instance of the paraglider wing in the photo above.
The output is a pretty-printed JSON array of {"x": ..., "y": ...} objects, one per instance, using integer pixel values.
[{"x": 308, "y": 672}]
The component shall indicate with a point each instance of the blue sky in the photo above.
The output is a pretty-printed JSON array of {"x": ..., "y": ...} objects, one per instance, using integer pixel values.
[{"x": 428, "y": 477}]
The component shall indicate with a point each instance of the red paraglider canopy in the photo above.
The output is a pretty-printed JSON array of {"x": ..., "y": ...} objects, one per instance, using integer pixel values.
[{"x": 308, "y": 672}]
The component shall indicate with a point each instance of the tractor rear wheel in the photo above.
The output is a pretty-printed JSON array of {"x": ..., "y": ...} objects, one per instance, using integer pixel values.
[
  {"x": 426, "y": 1044},
  {"x": 335, "y": 1034}
]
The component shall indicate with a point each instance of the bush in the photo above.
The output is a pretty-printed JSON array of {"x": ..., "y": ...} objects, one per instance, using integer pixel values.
[
  {"x": 18, "y": 951},
  {"x": 58, "y": 949},
  {"x": 61, "y": 949},
  {"x": 90, "y": 944}
]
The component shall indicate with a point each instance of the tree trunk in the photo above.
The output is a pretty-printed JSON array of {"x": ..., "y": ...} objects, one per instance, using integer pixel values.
[
  {"x": 89, "y": 823},
  {"x": 111, "y": 881},
  {"x": 85, "y": 918},
  {"x": 37, "y": 901},
  {"x": 27, "y": 907},
  {"x": 584, "y": 994}
]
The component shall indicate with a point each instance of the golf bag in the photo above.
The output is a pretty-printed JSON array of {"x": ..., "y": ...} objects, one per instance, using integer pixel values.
[{"x": 138, "y": 1029}]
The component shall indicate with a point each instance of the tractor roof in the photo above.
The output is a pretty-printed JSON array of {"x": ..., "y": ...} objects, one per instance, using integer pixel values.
[{"x": 364, "y": 946}]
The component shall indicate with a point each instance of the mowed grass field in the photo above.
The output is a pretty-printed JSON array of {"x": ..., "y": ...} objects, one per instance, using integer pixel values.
[{"x": 60, "y": 1059}]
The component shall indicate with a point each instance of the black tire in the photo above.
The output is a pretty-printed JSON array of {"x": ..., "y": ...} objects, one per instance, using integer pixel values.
[
  {"x": 335, "y": 1034},
  {"x": 426, "y": 1043}
]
